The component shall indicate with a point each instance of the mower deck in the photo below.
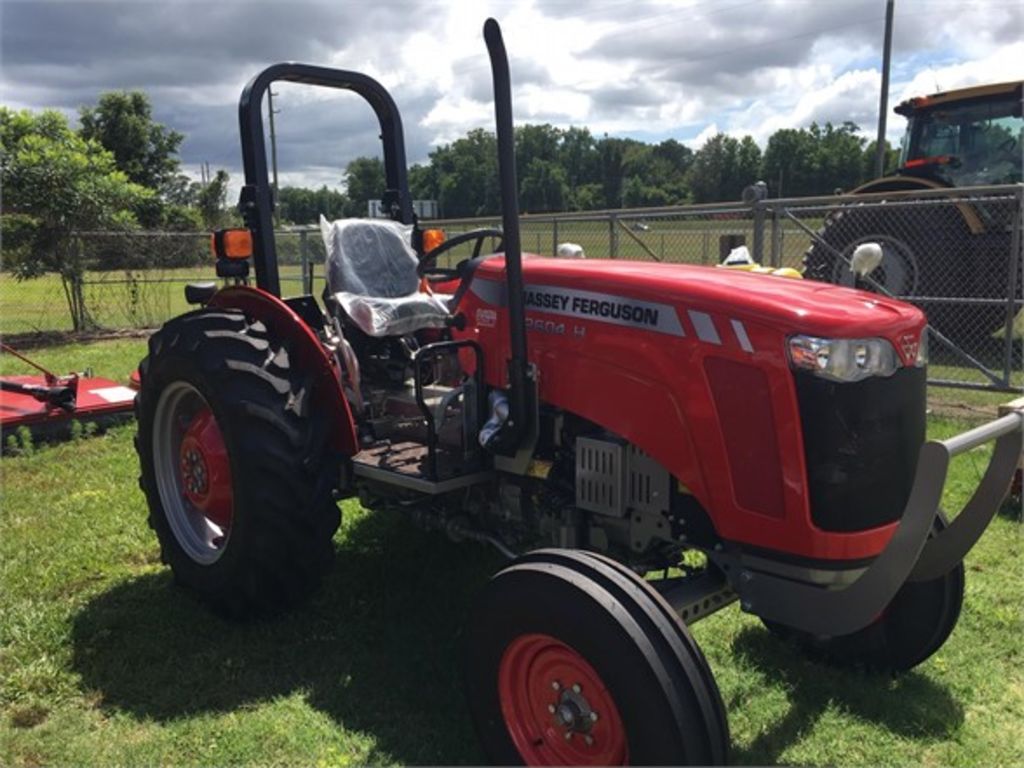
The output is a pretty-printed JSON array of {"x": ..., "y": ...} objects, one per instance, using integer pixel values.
[{"x": 99, "y": 400}]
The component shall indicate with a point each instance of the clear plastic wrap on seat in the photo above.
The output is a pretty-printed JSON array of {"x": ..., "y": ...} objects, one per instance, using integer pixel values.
[{"x": 371, "y": 270}]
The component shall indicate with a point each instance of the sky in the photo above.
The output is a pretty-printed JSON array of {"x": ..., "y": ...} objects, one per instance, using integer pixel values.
[{"x": 646, "y": 69}]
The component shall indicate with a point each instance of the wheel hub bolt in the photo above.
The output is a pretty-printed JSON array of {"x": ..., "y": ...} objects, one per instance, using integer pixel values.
[
  {"x": 566, "y": 715},
  {"x": 593, "y": 717},
  {"x": 576, "y": 688},
  {"x": 551, "y": 708},
  {"x": 589, "y": 739},
  {"x": 555, "y": 685}
]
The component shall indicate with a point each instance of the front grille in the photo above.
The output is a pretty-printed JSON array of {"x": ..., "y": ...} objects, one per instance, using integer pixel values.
[{"x": 861, "y": 442}]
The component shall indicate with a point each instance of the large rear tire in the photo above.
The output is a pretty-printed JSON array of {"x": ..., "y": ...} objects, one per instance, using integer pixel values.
[
  {"x": 573, "y": 660},
  {"x": 928, "y": 254},
  {"x": 237, "y": 472}
]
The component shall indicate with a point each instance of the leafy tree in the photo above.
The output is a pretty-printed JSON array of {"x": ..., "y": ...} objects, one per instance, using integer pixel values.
[
  {"x": 423, "y": 182},
  {"x": 298, "y": 205},
  {"x": 211, "y": 200},
  {"x": 747, "y": 169},
  {"x": 365, "y": 181},
  {"x": 586, "y": 197},
  {"x": 712, "y": 177},
  {"x": 838, "y": 156},
  {"x": 889, "y": 164},
  {"x": 122, "y": 122},
  {"x": 56, "y": 182},
  {"x": 637, "y": 194},
  {"x": 788, "y": 163},
  {"x": 467, "y": 175},
  {"x": 578, "y": 156},
  {"x": 611, "y": 153},
  {"x": 535, "y": 142},
  {"x": 543, "y": 188}
]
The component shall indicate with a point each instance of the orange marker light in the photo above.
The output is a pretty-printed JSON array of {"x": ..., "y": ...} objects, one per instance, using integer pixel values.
[
  {"x": 933, "y": 160},
  {"x": 231, "y": 244},
  {"x": 432, "y": 238}
]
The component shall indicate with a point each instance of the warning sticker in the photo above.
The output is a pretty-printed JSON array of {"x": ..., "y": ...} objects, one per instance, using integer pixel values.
[
  {"x": 486, "y": 318},
  {"x": 114, "y": 394}
]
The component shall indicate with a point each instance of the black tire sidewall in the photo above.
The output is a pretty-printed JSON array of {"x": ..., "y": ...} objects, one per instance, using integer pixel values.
[
  {"x": 165, "y": 370},
  {"x": 554, "y": 601}
]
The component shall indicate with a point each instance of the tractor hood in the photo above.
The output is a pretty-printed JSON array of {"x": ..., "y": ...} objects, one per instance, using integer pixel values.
[{"x": 789, "y": 305}]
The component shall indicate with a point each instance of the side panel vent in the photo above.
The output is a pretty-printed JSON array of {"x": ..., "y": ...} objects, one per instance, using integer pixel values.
[
  {"x": 648, "y": 484},
  {"x": 600, "y": 476}
]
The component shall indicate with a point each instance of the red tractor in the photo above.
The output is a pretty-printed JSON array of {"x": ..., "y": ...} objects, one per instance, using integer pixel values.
[{"x": 594, "y": 420}]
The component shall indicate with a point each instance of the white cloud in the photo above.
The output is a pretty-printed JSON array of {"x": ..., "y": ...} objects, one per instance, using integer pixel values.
[
  {"x": 698, "y": 141},
  {"x": 1002, "y": 65},
  {"x": 624, "y": 67}
]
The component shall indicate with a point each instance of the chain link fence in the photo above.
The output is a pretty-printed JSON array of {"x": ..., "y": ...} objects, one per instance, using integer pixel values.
[{"x": 954, "y": 252}]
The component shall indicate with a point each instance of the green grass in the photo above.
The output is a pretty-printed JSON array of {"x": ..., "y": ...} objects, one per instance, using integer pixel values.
[
  {"x": 104, "y": 661},
  {"x": 116, "y": 300}
]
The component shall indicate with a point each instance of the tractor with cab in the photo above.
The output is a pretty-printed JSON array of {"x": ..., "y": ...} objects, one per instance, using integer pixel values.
[
  {"x": 957, "y": 259},
  {"x": 593, "y": 420}
]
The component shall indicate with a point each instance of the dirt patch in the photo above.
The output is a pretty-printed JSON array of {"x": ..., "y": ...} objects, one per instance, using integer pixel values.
[{"x": 29, "y": 717}]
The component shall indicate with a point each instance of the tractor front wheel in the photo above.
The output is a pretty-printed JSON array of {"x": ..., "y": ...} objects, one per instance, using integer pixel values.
[
  {"x": 574, "y": 661},
  {"x": 237, "y": 472},
  {"x": 915, "y": 624}
]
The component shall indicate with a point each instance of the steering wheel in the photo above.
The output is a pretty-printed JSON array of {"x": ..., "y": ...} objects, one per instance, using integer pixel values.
[{"x": 428, "y": 264}]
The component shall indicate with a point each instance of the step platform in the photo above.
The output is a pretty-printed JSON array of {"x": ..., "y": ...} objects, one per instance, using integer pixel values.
[{"x": 405, "y": 464}]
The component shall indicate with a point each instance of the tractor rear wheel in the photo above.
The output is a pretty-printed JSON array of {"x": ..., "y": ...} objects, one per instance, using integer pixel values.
[
  {"x": 237, "y": 472},
  {"x": 929, "y": 254},
  {"x": 915, "y": 624},
  {"x": 573, "y": 660}
]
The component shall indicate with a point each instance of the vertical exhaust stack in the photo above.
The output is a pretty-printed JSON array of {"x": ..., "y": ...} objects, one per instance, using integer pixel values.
[{"x": 520, "y": 384}]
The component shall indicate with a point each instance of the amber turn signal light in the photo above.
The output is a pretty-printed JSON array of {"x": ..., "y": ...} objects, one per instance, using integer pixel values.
[
  {"x": 432, "y": 238},
  {"x": 231, "y": 243}
]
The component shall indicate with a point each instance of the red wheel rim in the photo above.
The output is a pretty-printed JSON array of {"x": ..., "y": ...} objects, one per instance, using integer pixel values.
[
  {"x": 557, "y": 709},
  {"x": 205, "y": 471}
]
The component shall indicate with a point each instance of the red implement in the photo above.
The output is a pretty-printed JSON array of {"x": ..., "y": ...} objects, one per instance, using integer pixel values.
[{"x": 97, "y": 400}]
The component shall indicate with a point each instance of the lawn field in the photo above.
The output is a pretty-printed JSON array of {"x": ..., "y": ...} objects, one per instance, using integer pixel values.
[
  {"x": 146, "y": 297},
  {"x": 104, "y": 661}
]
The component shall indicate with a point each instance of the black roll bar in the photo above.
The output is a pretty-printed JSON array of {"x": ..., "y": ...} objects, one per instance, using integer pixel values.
[{"x": 256, "y": 202}]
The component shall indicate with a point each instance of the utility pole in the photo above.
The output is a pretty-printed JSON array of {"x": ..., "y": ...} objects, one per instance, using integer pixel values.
[
  {"x": 273, "y": 152},
  {"x": 883, "y": 100}
]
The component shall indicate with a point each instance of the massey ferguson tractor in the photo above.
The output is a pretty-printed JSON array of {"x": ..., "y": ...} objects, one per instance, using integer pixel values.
[{"x": 594, "y": 420}]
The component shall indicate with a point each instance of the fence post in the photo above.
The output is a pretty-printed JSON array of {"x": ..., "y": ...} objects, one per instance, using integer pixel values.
[
  {"x": 776, "y": 257},
  {"x": 758, "y": 243},
  {"x": 554, "y": 237},
  {"x": 1015, "y": 258},
  {"x": 613, "y": 236},
  {"x": 307, "y": 277},
  {"x": 704, "y": 247}
]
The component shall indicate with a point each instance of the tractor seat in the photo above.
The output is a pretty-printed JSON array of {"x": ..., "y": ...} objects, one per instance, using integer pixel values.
[{"x": 371, "y": 271}]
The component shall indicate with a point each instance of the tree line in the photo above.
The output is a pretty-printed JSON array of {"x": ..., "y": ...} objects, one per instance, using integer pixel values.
[
  {"x": 120, "y": 170},
  {"x": 572, "y": 170}
]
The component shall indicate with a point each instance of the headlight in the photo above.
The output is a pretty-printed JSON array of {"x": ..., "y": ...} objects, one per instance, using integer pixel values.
[{"x": 843, "y": 359}]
